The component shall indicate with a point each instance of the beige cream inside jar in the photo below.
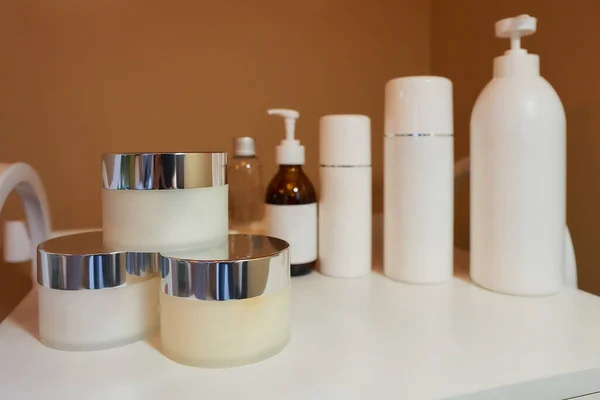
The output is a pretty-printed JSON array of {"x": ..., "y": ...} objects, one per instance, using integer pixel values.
[{"x": 228, "y": 305}]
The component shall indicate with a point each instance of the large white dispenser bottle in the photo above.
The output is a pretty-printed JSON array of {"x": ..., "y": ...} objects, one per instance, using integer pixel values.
[
  {"x": 518, "y": 174},
  {"x": 418, "y": 181}
]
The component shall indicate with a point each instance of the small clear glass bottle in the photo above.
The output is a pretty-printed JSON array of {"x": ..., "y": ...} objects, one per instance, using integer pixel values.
[{"x": 244, "y": 176}]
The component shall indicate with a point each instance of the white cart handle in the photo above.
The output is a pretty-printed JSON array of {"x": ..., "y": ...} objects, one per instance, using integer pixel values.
[{"x": 28, "y": 185}]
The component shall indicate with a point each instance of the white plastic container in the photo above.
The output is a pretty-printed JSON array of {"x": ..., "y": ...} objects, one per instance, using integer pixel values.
[
  {"x": 226, "y": 306},
  {"x": 164, "y": 201},
  {"x": 345, "y": 196},
  {"x": 92, "y": 298},
  {"x": 518, "y": 174},
  {"x": 418, "y": 180}
]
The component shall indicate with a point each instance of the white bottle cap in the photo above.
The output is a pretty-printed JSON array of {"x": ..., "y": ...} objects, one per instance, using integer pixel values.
[
  {"x": 290, "y": 151},
  {"x": 345, "y": 140},
  {"x": 244, "y": 146},
  {"x": 418, "y": 105}
]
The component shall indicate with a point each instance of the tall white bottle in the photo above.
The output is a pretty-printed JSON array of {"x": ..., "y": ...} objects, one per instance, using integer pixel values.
[
  {"x": 345, "y": 198},
  {"x": 518, "y": 174},
  {"x": 418, "y": 179}
]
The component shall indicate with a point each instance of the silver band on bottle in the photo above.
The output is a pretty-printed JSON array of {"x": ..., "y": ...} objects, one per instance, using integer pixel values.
[
  {"x": 246, "y": 266},
  {"x": 81, "y": 261},
  {"x": 163, "y": 171},
  {"x": 344, "y": 166},
  {"x": 389, "y": 135}
]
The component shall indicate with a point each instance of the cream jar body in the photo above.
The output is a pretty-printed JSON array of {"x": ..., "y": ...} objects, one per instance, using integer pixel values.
[
  {"x": 230, "y": 310},
  {"x": 92, "y": 298},
  {"x": 136, "y": 219},
  {"x": 97, "y": 319},
  {"x": 164, "y": 201},
  {"x": 229, "y": 333}
]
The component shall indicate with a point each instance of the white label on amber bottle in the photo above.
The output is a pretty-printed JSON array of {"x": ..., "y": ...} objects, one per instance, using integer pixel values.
[{"x": 297, "y": 225}]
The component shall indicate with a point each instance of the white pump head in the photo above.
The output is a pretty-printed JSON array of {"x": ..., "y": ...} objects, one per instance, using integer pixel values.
[
  {"x": 290, "y": 151},
  {"x": 516, "y": 61},
  {"x": 514, "y": 29}
]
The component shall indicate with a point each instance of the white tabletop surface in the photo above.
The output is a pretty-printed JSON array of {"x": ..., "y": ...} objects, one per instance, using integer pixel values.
[{"x": 368, "y": 338}]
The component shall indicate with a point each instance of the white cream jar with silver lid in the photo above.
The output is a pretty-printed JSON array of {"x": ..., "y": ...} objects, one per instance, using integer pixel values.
[
  {"x": 164, "y": 201},
  {"x": 93, "y": 298},
  {"x": 228, "y": 305}
]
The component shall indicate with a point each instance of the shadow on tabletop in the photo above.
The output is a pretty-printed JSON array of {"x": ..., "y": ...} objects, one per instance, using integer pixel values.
[
  {"x": 27, "y": 318},
  {"x": 461, "y": 265},
  {"x": 153, "y": 340}
]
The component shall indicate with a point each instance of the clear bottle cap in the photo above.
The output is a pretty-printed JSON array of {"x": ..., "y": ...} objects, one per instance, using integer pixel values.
[{"x": 244, "y": 146}]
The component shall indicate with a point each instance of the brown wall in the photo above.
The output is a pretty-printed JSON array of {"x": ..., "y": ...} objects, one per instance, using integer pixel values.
[
  {"x": 82, "y": 77},
  {"x": 463, "y": 46}
]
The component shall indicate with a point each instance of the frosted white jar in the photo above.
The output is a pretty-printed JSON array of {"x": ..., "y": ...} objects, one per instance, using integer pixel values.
[
  {"x": 230, "y": 310},
  {"x": 164, "y": 201},
  {"x": 91, "y": 298},
  {"x": 97, "y": 319}
]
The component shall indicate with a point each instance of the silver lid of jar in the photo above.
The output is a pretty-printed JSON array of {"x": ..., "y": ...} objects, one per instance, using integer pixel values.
[
  {"x": 81, "y": 261},
  {"x": 163, "y": 171},
  {"x": 246, "y": 266}
]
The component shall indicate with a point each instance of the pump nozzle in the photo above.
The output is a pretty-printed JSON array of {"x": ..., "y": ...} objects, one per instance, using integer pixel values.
[
  {"x": 289, "y": 117},
  {"x": 290, "y": 151},
  {"x": 515, "y": 28}
]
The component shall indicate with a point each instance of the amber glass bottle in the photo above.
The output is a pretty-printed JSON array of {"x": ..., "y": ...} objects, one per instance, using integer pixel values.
[{"x": 291, "y": 206}]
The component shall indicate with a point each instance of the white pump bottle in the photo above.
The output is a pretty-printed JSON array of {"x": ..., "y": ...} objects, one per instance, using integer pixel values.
[
  {"x": 518, "y": 174},
  {"x": 291, "y": 202}
]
